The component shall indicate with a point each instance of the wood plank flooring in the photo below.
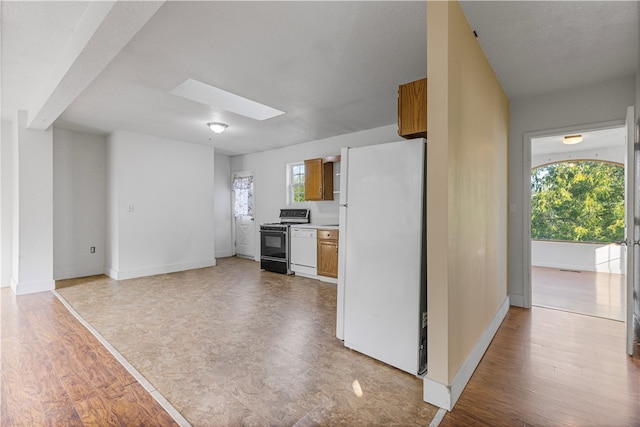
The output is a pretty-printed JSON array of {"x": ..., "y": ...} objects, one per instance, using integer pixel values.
[
  {"x": 54, "y": 372},
  {"x": 552, "y": 368},
  {"x": 585, "y": 292}
]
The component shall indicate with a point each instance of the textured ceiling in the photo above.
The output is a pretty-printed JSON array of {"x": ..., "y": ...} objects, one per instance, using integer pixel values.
[
  {"x": 538, "y": 47},
  {"x": 332, "y": 67}
]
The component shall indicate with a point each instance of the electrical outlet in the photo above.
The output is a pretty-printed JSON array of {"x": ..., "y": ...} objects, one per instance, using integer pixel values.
[{"x": 92, "y": 249}]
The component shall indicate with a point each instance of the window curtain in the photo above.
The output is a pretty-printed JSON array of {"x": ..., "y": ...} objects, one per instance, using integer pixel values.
[{"x": 243, "y": 189}]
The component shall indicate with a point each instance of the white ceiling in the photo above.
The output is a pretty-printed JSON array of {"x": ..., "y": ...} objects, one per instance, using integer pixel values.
[
  {"x": 33, "y": 36},
  {"x": 592, "y": 140},
  {"x": 332, "y": 67},
  {"x": 538, "y": 47}
]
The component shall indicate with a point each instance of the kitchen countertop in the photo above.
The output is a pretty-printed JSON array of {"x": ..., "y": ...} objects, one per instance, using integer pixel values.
[{"x": 316, "y": 226}]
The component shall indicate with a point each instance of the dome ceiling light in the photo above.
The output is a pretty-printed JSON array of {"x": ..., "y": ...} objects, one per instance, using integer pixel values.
[
  {"x": 217, "y": 127},
  {"x": 572, "y": 139}
]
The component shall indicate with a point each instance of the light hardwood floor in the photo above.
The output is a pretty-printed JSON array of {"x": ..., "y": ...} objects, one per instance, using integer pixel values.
[
  {"x": 53, "y": 372},
  {"x": 585, "y": 292},
  {"x": 552, "y": 368}
]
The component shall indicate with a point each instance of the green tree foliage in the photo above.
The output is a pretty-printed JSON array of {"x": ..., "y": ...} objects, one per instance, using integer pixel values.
[{"x": 578, "y": 201}]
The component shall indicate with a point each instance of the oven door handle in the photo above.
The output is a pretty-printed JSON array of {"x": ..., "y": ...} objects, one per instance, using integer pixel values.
[{"x": 270, "y": 258}]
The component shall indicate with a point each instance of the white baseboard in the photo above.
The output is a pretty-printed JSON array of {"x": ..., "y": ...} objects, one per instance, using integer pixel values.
[
  {"x": 23, "y": 288},
  {"x": 446, "y": 396},
  {"x": 113, "y": 273},
  {"x": 160, "y": 269},
  {"x": 224, "y": 253},
  {"x": 595, "y": 269},
  {"x": 517, "y": 300},
  {"x": 78, "y": 272}
]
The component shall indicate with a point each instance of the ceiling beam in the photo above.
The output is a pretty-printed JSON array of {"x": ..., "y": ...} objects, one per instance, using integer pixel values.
[{"x": 104, "y": 30}]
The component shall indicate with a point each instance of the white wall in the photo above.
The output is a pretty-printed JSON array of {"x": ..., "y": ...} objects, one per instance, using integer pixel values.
[
  {"x": 606, "y": 258},
  {"x": 32, "y": 244},
  {"x": 161, "y": 205},
  {"x": 602, "y": 102},
  {"x": 222, "y": 208},
  {"x": 270, "y": 173},
  {"x": 79, "y": 185},
  {"x": 6, "y": 191}
]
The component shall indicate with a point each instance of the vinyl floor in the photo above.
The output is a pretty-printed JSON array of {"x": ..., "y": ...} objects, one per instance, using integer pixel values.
[{"x": 233, "y": 345}]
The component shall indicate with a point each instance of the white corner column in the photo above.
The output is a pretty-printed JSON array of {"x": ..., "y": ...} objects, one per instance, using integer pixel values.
[{"x": 32, "y": 254}]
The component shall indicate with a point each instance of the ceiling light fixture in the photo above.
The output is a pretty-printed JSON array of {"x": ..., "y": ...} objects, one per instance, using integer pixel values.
[
  {"x": 217, "y": 127},
  {"x": 572, "y": 139}
]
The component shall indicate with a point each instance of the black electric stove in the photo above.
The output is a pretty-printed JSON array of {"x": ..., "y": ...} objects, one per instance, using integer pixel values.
[{"x": 275, "y": 243}]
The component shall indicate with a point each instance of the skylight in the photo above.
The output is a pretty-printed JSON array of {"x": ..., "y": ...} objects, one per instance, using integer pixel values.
[{"x": 223, "y": 100}]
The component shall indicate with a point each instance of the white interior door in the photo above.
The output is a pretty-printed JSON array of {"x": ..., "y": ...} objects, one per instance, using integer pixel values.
[
  {"x": 245, "y": 236},
  {"x": 631, "y": 229},
  {"x": 244, "y": 223}
]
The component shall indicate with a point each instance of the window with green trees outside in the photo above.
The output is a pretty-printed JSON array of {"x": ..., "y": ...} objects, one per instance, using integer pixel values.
[{"x": 578, "y": 201}]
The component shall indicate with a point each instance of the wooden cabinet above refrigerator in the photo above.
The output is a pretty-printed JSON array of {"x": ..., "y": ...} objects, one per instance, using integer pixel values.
[{"x": 412, "y": 109}]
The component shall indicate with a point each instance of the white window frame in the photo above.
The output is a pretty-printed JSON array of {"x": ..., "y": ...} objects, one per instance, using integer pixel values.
[{"x": 290, "y": 185}]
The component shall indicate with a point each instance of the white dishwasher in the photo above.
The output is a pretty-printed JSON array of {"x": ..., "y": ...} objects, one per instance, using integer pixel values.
[{"x": 304, "y": 251}]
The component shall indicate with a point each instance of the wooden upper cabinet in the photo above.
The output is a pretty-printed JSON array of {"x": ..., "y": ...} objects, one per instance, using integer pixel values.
[
  {"x": 412, "y": 109},
  {"x": 318, "y": 179}
]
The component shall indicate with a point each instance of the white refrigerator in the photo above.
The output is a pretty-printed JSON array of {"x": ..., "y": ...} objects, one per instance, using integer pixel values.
[{"x": 381, "y": 308}]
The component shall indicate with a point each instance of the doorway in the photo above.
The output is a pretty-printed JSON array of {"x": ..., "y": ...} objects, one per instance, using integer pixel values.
[
  {"x": 577, "y": 216},
  {"x": 244, "y": 230},
  {"x": 631, "y": 240}
]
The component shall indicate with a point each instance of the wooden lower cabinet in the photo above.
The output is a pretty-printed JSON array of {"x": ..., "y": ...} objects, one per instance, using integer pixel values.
[{"x": 328, "y": 253}]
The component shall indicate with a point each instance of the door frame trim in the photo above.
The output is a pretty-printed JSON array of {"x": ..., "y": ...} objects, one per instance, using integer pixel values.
[
  {"x": 526, "y": 189},
  {"x": 630, "y": 230}
]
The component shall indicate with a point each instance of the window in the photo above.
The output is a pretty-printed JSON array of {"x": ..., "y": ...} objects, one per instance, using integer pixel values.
[
  {"x": 295, "y": 183},
  {"x": 580, "y": 201},
  {"x": 242, "y": 196}
]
